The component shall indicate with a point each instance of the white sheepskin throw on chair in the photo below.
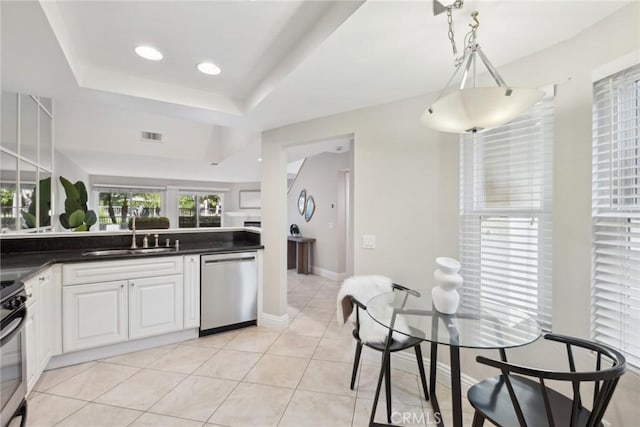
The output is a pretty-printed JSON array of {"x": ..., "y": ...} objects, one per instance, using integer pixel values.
[{"x": 363, "y": 288}]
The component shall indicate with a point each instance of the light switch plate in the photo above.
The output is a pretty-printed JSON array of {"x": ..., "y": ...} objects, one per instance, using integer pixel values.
[{"x": 368, "y": 241}]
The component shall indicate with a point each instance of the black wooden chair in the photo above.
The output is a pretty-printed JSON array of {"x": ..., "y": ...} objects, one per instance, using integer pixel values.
[
  {"x": 380, "y": 346},
  {"x": 520, "y": 396}
]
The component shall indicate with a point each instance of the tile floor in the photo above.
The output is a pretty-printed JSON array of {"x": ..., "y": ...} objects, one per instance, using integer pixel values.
[{"x": 248, "y": 377}]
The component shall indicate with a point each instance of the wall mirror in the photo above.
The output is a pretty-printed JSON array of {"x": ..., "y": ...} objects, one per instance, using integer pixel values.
[
  {"x": 302, "y": 199},
  {"x": 309, "y": 208}
]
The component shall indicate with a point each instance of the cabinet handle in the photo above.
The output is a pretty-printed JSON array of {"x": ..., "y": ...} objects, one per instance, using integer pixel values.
[
  {"x": 29, "y": 295},
  {"x": 122, "y": 286},
  {"x": 41, "y": 278},
  {"x": 133, "y": 284}
]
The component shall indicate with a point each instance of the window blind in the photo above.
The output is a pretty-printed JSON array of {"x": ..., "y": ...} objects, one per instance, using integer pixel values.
[
  {"x": 505, "y": 212},
  {"x": 615, "y": 311}
]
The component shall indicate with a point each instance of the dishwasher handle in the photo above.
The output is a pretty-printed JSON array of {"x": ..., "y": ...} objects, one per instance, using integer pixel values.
[{"x": 213, "y": 261}]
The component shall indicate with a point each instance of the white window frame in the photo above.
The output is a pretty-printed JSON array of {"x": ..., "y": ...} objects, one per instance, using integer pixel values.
[
  {"x": 188, "y": 192},
  {"x": 508, "y": 262},
  {"x": 615, "y": 296}
]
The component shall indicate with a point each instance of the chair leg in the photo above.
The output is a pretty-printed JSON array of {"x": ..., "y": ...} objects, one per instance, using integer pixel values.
[
  {"x": 478, "y": 419},
  {"x": 356, "y": 362},
  {"x": 423, "y": 377},
  {"x": 387, "y": 388}
]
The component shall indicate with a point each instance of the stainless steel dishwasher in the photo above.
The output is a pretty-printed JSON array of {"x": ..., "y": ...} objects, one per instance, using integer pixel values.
[{"x": 228, "y": 291}]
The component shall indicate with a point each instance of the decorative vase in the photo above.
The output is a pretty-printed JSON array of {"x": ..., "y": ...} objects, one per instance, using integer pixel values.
[{"x": 444, "y": 295}]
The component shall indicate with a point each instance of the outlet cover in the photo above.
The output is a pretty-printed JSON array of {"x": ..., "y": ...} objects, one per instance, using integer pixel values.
[{"x": 368, "y": 241}]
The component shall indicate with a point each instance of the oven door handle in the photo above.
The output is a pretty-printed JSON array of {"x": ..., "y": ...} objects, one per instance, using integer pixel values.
[{"x": 14, "y": 327}]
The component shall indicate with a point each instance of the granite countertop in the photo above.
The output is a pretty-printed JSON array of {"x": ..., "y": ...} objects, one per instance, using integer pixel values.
[{"x": 24, "y": 265}]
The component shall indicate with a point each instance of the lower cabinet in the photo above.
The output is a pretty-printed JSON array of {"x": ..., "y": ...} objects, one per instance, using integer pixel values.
[
  {"x": 191, "y": 291},
  {"x": 31, "y": 333},
  {"x": 104, "y": 313},
  {"x": 95, "y": 314},
  {"x": 155, "y": 306}
]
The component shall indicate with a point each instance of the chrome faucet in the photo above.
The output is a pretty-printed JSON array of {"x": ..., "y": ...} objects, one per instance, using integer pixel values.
[{"x": 133, "y": 236}]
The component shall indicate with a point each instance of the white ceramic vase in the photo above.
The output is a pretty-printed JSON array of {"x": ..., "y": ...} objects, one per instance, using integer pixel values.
[{"x": 444, "y": 294}]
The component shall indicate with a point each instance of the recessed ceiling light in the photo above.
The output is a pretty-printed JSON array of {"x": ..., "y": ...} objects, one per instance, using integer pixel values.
[
  {"x": 148, "y": 52},
  {"x": 259, "y": 159},
  {"x": 209, "y": 68}
]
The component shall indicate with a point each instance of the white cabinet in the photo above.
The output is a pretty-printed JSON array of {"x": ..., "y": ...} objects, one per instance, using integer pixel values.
[
  {"x": 142, "y": 298},
  {"x": 155, "y": 306},
  {"x": 43, "y": 327},
  {"x": 191, "y": 291},
  {"x": 95, "y": 314}
]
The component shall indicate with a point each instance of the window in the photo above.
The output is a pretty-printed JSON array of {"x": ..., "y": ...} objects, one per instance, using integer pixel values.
[
  {"x": 199, "y": 210},
  {"x": 615, "y": 312},
  {"x": 117, "y": 205},
  {"x": 505, "y": 210}
]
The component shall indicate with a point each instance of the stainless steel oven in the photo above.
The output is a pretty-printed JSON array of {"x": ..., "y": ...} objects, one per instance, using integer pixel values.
[{"x": 13, "y": 371}]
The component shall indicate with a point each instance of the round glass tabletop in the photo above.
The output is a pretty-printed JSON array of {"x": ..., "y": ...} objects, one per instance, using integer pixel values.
[{"x": 491, "y": 326}]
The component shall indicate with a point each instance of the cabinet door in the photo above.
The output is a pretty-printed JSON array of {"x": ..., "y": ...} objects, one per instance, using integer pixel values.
[
  {"x": 155, "y": 305},
  {"x": 43, "y": 321},
  {"x": 94, "y": 315},
  {"x": 191, "y": 291},
  {"x": 31, "y": 335}
]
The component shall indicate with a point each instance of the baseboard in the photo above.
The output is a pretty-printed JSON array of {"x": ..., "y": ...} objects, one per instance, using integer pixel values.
[
  {"x": 406, "y": 361},
  {"x": 270, "y": 321},
  {"x": 111, "y": 350},
  {"x": 328, "y": 274}
]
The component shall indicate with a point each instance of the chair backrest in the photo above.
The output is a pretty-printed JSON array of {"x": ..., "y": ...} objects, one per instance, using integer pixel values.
[{"x": 609, "y": 366}]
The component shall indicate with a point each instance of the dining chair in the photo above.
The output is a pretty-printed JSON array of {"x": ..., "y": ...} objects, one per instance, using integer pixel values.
[
  {"x": 396, "y": 345},
  {"x": 520, "y": 396}
]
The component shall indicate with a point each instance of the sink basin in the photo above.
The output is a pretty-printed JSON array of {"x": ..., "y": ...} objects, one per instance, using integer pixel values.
[
  {"x": 104, "y": 252},
  {"x": 150, "y": 250}
]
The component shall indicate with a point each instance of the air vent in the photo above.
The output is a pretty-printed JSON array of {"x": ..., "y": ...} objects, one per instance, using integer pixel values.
[{"x": 151, "y": 136}]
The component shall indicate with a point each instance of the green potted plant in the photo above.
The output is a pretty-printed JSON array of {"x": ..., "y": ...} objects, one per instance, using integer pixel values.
[{"x": 76, "y": 214}]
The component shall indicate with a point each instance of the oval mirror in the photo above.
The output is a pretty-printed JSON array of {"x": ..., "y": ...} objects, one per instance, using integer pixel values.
[
  {"x": 302, "y": 200},
  {"x": 309, "y": 208}
]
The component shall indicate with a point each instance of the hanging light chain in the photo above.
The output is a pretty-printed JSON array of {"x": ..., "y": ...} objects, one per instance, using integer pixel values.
[{"x": 469, "y": 38}]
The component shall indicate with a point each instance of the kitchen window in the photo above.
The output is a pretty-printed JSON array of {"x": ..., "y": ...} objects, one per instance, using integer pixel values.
[
  {"x": 198, "y": 210},
  {"x": 505, "y": 213},
  {"x": 615, "y": 303},
  {"x": 116, "y": 205}
]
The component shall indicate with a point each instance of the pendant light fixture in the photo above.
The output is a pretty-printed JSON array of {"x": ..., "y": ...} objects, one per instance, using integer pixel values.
[{"x": 470, "y": 108}]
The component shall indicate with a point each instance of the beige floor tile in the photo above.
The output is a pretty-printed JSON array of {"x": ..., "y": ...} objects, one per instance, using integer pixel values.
[
  {"x": 406, "y": 415},
  {"x": 183, "y": 359},
  {"x": 48, "y": 410},
  {"x": 339, "y": 331},
  {"x": 56, "y": 376},
  {"x": 141, "y": 390},
  {"x": 318, "y": 409},
  {"x": 214, "y": 340},
  {"x": 444, "y": 399},
  {"x": 289, "y": 344},
  {"x": 228, "y": 364},
  {"x": 281, "y": 371},
  {"x": 252, "y": 341},
  {"x": 335, "y": 350},
  {"x": 96, "y": 415},
  {"x": 141, "y": 359},
  {"x": 318, "y": 313},
  {"x": 155, "y": 420},
  {"x": 302, "y": 325},
  {"x": 196, "y": 398},
  {"x": 327, "y": 377},
  {"x": 92, "y": 382},
  {"x": 253, "y": 405},
  {"x": 404, "y": 386}
]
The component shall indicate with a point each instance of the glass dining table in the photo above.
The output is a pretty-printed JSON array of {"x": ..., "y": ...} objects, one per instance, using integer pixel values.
[{"x": 486, "y": 325}]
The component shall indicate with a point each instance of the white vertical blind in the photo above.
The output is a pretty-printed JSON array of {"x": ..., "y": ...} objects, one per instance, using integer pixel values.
[
  {"x": 505, "y": 211},
  {"x": 615, "y": 311}
]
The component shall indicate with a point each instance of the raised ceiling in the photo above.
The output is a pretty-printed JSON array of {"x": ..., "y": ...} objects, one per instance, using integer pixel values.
[{"x": 282, "y": 61}]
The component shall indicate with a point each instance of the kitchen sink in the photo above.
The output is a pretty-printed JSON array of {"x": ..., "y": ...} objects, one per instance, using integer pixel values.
[
  {"x": 151, "y": 250},
  {"x": 106, "y": 252}
]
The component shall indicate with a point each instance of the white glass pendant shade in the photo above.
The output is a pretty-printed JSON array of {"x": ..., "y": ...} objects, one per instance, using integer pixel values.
[{"x": 478, "y": 108}]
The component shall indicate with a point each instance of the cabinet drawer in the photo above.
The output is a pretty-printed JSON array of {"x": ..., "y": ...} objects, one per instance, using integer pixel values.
[{"x": 102, "y": 271}]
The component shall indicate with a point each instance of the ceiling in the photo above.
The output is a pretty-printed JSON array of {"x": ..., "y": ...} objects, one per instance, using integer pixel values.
[{"x": 282, "y": 61}]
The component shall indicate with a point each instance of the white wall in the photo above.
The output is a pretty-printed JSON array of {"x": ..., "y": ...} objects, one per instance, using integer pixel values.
[
  {"x": 417, "y": 170},
  {"x": 320, "y": 177}
]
